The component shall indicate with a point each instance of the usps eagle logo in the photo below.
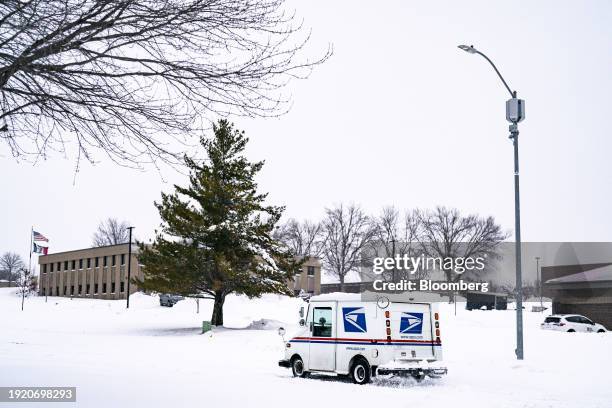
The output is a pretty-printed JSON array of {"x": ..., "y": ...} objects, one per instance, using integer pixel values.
[
  {"x": 411, "y": 323},
  {"x": 354, "y": 320}
]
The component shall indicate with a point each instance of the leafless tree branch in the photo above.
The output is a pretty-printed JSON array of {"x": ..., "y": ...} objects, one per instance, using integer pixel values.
[
  {"x": 135, "y": 79},
  {"x": 347, "y": 231},
  {"x": 111, "y": 232}
]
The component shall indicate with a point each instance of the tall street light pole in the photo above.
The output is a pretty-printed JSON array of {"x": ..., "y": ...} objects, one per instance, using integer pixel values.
[
  {"x": 515, "y": 113},
  {"x": 537, "y": 258},
  {"x": 129, "y": 277}
]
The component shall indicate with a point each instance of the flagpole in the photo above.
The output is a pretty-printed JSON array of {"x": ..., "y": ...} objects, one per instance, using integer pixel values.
[
  {"x": 29, "y": 266},
  {"x": 31, "y": 244}
]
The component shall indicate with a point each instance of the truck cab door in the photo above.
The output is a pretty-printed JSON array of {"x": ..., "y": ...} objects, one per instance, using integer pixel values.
[{"x": 322, "y": 351}]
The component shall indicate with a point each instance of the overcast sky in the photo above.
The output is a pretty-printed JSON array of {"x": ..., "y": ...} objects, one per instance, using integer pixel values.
[{"x": 397, "y": 116}]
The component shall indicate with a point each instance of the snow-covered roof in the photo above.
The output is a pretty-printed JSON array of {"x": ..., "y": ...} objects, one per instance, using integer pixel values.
[
  {"x": 330, "y": 297},
  {"x": 351, "y": 277},
  {"x": 603, "y": 273}
]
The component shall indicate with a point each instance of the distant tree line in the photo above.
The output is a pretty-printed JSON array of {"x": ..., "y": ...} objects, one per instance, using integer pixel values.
[
  {"x": 347, "y": 238},
  {"x": 11, "y": 264}
]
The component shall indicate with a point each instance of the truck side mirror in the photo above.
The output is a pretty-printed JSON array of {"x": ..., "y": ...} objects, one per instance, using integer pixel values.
[
  {"x": 281, "y": 331},
  {"x": 302, "y": 311},
  {"x": 302, "y": 322}
]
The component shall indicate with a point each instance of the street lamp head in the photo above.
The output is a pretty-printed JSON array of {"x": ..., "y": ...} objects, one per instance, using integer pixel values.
[{"x": 467, "y": 48}]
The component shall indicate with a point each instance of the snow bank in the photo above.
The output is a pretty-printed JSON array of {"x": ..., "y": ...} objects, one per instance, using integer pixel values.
[
  {"x": 152, "y": 356},
  {"x": 265, "y": 324}
]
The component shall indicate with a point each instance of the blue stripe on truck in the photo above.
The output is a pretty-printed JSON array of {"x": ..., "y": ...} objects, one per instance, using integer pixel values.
[{"x": 386, "y": 343}]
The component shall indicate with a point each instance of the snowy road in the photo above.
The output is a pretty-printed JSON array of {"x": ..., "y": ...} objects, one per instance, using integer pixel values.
[{"x": 153, "y": 356}]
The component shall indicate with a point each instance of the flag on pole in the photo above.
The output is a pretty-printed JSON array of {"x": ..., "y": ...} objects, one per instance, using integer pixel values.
[
  {"x": 39, "y": 249},
  {"x": 37, "y": 236}
]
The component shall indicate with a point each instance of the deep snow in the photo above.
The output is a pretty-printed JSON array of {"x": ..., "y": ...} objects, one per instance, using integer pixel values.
[{"x": 152, "y": 356}]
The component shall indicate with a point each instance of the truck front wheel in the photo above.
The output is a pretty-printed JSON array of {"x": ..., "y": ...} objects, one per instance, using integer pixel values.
[
  {"x": 360, "y": 371},
  {"x": 297, "y": 367}
]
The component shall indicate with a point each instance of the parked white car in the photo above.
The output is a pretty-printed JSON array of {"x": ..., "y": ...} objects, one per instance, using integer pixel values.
[{"x": 571, "y": 323}]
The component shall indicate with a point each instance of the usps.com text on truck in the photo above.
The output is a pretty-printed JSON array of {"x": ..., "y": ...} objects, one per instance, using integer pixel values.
[{"x": 305, "y": 204}]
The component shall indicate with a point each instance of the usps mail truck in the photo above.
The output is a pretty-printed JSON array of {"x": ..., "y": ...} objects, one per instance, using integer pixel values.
[{"x": 341, "y": 334}]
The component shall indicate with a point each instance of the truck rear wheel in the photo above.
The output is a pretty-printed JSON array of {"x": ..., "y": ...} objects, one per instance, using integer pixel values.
[
  {"x": 360, "y": 371},
  {"x": 419, "y": 376},
  {"x": 297, "y": 367}
]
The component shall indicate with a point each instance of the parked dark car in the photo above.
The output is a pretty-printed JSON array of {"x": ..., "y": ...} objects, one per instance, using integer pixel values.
[
  {"x": 490, "y": 301},
  {"x": 169, "y": 300}
]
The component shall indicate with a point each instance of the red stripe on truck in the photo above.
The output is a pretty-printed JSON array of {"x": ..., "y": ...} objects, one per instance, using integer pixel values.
[{"x": 361, "y": 340}]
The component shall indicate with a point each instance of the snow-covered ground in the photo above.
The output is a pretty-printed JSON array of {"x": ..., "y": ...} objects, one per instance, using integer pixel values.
[{"x": 150, "y": 356}]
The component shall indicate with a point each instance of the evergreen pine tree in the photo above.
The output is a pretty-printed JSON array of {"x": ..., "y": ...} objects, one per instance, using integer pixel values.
[{"x": 216, "y": 234}]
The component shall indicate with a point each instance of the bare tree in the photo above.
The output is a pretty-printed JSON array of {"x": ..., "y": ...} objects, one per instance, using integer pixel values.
[
  {"x": 448, "y": 234},
  {"x": 396, "y": 234},
  {"x": 10, "y": 264},
  {"x": 27, "y": 284},
  {"x": 305, "y": 239},
  {"x": 111, "y": 232},
  {"x": 130, "y": 78},
  {"x": 347, "y": 231}
]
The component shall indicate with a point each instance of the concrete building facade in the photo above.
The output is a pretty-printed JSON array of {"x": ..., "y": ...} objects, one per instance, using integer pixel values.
[
  {"x": 94, "y": 273},
  {"x": 584, "y": 289},
  {"x": 101, "y": 273},
  {"x": 309, "y": 280}
]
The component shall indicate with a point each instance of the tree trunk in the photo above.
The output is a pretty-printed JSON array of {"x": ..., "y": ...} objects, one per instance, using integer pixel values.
[
  {"x": 341, "y": 283},
  {"x": 449, "y": 279},
  {"x": 217, "y": 315}
]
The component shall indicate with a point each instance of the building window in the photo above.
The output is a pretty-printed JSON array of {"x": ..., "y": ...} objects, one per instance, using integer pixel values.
[
  {"x": 104, "y": 261},
  {"x": 114, "y": 260},
  {"x": 72, "y": 290},
  {"x": 95, "y": 288},
  {"x": 122, "y": 259},
  {"x": 57, "y": 291},
  {"x": 65, "y": 265},
  {"x": 51, "y": 267},
  {"x": 311, "y": 271},
  {"x": 81, "y": 263},
  {"x": 87, "y": 288},
  {"x": 88, "y": 263},
  {"x": 80, "y": 289},
  {"x": 104, "y": 288},
  {"x": 44, "y": 268},
  {"x": 59, "y": 266},
  {"x": 73, "y": 264},
  {"x": 97, "y": 263},
  {"x": 122, "y": 286},
  {"x": 112, "y": 287}
]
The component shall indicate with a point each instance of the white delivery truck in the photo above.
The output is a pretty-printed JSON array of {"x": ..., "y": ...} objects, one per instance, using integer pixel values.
[{"x": 344, "y": 335}]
